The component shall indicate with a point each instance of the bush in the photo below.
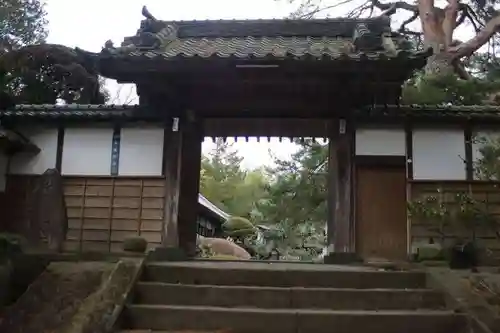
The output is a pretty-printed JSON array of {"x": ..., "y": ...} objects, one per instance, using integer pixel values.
[
  {"x": 10, "y": 244},
  {"x": 430, "y": 252},
  {"x": 135, "y": 244},
  {"x": 235, "y": 223}
]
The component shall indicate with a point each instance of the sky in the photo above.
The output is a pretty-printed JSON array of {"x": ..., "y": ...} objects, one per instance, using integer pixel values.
[{"x": 88, "y": 24}]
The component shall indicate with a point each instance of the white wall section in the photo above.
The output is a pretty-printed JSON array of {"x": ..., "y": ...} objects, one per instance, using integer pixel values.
[
  {"x": 141, "y": 151},
  {"x": 35, "y": 164},
  {"x": 439, "y": 154},
  {"x": 87, "y": 151},
  {"x": 389, "y": 142}
]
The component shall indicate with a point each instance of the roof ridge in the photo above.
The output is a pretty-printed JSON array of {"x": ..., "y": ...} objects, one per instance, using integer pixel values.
[
  {"x": 74, "y": 106},
  {"x": 279, "y": 20}
]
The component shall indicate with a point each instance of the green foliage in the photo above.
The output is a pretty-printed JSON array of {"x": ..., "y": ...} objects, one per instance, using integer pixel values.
[
  {"x": 227, "y": 185},
  {"x": 22, "y": 22},
  {"x": 488, "y": 167},
  {"x": 430, "y": 252},
  {"x": 10, "y": 244},
  {"x": 32, "y": 72},
  {"x": 238, "y": 223},
  {"x": 435, "y": 90},
  {"x": 298, "y": 187}
]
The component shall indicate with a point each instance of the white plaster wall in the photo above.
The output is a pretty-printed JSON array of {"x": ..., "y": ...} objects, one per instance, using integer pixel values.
[
  {"x": 29, "y": 163},
  {"x": 478, "y": 137},
  {"x": 87, "y": 151},
  {"x": 381, "y": 142},
  {"x": 141, "y": 151},
  {"x": 439, "y": 154},
  {"x": 4, "y": 162}
]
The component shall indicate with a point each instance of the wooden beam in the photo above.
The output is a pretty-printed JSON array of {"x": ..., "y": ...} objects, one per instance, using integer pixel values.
[
  {"x": 409, "y": 177},
  {"x": 262, "y": 127},
  {"x": 127, "y": 70},
  {"x": 59, "y": 150},
  {"x": 190, "y": 163},
  {"x": 380, "y": 160},
  {"x": 339, "y": 187},
  {"x": 409, "y": 150},
  {"x": 469, "y": 163},
  {"x": 171, "y": 171},
  {"x": 332, "y": 189}
]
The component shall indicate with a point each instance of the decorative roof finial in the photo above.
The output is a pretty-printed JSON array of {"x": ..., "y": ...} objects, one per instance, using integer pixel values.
[{"x": 147, "y": 14}]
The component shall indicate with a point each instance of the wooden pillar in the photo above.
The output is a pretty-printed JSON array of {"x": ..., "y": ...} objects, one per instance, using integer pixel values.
[
  {"x": 189, "y": 182},
  {"x": 339, "y": 187},
  {"x": 409, "y": 178},
  {"x": 171, "y": 171}
]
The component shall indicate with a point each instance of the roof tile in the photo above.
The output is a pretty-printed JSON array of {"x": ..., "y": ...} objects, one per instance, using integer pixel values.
[{"x": 84, "y": 111}]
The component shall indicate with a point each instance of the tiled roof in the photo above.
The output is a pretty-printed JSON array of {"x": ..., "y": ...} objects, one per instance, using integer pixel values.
[
  {"x": 482, "y": 112},
  {"x": 71, "y": 111},
  {"x": 326, "y": 48},
  {"x": 326, "y": 39},
  {"x": 330, "y": 27},
  {"x": 135, "y": 112}
]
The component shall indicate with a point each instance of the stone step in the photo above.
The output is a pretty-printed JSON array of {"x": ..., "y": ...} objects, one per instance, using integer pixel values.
[
  {"x": 277, "y": 275},
  {"x": 297, "y": 297},
  {"x": 253, "y": 320}
]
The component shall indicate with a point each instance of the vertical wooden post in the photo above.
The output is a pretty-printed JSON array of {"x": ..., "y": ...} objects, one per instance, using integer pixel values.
[
  {"x": 332, "y": 188},
  {"x": 190, "y": 163},
  {"x": 339, "y": 187},
  {"x": 171, "y": 171},
  {"x": 469, "y": 163},
  {"x": 409, "y": 178}
]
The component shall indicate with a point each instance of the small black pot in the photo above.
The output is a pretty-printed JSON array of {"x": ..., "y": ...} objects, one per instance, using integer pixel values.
[{"x": 464, "y": 256}]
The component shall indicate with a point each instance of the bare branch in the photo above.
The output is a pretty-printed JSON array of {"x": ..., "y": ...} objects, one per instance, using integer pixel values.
[
  {"x": 467, "y": 48},
  {"x": 402, "y": 28},
  {"x": 319, "y": 9},
  {"x": 395, "y": 5}
]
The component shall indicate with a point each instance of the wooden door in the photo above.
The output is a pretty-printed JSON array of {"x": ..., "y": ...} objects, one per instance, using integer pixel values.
[{"x": 381, "y": 229}]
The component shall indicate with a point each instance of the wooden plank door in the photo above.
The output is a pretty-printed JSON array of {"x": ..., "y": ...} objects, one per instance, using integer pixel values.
[{"x": 381, "y": 229}]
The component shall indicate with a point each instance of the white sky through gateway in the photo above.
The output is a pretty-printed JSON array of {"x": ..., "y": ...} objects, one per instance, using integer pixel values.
[{"x": 88, "y": 24}]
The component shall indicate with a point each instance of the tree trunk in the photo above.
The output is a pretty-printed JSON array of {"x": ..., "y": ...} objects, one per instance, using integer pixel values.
[
  {"x": 440, "y": 64},
  {"x": 437, "y": 27}
]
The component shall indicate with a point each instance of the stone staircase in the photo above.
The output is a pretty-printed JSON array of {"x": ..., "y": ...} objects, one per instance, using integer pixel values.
[{"x": 285, "y": 298}]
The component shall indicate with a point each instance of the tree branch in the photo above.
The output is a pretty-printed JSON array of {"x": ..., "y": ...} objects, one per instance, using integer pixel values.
[
  {"x": 402, "y": 28},
  {"x": 395, "y": 5},
  {"x": 321, "y": 9},
  {"x": 467, "y": 48},
  {"x": 449, "y": 21}
]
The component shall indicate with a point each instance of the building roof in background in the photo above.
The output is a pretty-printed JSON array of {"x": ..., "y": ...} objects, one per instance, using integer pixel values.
[{"x": 213, "y": 208}]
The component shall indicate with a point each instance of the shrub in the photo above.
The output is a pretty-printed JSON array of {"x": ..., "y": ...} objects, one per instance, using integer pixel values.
[{"x": 135, "y": 244}]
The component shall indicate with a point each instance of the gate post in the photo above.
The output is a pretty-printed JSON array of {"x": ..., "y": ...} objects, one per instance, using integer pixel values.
[
  {"x": 171, "y": 171},
  {"x": 191, "y": 130},
  {"x": 339, "y": 184}
]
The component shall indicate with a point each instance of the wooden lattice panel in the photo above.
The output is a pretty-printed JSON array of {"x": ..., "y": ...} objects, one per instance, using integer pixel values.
[{"x": 103, "y": 212}]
